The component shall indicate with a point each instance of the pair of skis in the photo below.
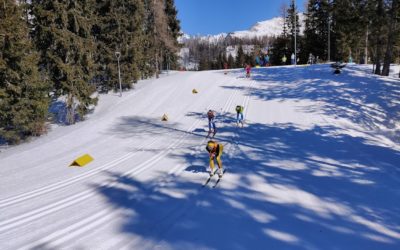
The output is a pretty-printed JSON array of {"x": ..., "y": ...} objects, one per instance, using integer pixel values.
[
  {"x": 210, "y": 134},
  {"x": 210, "y": 177}
]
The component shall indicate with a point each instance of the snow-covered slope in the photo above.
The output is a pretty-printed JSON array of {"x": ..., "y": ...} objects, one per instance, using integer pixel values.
[
  {"x": 272, "y": 27},
  {"x": 315, "y": 167}
]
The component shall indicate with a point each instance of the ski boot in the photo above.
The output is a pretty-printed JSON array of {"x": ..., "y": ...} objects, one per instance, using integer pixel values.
[
  {"x": 220, "y": 172},
  {"x": 212, "y": 173}
]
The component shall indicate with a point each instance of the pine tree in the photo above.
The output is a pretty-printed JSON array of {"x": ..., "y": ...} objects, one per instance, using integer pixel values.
[
  {"x": 119, "y": 27},
  {"x": 231, "y": 61},
  {"x": 23, "y": 93},
  {"x": 174, "y": 29},
  {"x": 293, "y": 24},
  {"x": 393, "y": 33},
  {"x": 204, "y": 64},
  {"x": 283, "y": 10},
  {"x": 149, "y": 48},
  {"x": 279, "y": 50},
  {"x": 249, "y": 59},
  {"x": 280, "y": 44},
  {"x": 161, "y": 30},
  {"x": 62, "y": 36},
  {"x": 378, "y": 25},
  {"x": 240, "y": 57},
  {"x": 221, "y": 60},
  {"x": 316, "y": 28},
  {"x": 348, "y": 27}
]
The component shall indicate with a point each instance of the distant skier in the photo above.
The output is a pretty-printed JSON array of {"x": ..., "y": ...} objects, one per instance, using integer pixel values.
[
  {"x": 310, "y": 59},
  {"x": 248, "y": 69},
  {"x": 284, "y": 59},
  {"x": 211, "y": 122},
  {"x": 239, "y": 115},
  {"x": 350, "y": 59},
  {"x": 267, "y": 60},
  {"x": 215, "y": 151}
]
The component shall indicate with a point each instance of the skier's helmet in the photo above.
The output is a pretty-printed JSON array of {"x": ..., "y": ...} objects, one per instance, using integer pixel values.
[
  {"x": 210, "y": 145},
  {"x": 210, "y": 114}
]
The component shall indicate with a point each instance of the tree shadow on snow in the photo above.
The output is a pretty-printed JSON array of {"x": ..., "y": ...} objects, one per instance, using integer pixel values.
[
  {"x": 364, "y": 99},
  {"x": 286, "y": 188}
]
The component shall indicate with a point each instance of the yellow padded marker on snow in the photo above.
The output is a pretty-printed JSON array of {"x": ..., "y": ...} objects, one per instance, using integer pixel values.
[{"x": 82, "y": 161}]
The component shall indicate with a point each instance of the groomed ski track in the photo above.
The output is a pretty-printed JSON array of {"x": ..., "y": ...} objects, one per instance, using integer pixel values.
[
  {"x": 70, "y": 194},
  {"x": 144, "y": 188}
]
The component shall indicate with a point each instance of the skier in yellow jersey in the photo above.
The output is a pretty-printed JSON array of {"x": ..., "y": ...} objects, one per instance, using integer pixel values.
[{"x": 215, "y": 151}]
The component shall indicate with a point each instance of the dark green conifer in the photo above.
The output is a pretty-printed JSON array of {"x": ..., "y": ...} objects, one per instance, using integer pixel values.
[
  {"x": 119, "y": 27},
  {"x": 23, "y": 92},
  {"x": 240, "y": 57},
  {"x": 316, "y": 28},
  {"x": 174, "y": 29},
  {"x": 61, "y": 31}
]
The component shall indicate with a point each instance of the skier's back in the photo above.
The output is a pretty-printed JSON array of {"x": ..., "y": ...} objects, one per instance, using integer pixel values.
[
  {"x": 239, "y": 115},
  {"x": 215, "y": 151},
  {"x": 248, "y": 69},
  {"x": 211, "y": 122}
]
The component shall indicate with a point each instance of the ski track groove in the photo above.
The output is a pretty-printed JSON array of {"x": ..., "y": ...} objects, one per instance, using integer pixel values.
[
  {"x": 167, "y": 220},
  {"x": 245, "y": 103},
  {"x": 74, "y": 231},
  {"x": 65, "y": 183},
  {"x": 170, "y": 219},
  {"x": 175, "y": 215},
  {"x": 90, "y": 122},
  {"x": 93, "y": 222},
  {"x": 54, "y": 186},
  {"x": 54, "y": 207}
]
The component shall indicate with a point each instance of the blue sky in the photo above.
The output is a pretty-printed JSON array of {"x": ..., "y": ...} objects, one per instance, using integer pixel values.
[{"x": 216, "y": 16}]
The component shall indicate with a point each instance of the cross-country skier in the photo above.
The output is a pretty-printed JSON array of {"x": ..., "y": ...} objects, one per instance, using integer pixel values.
[
  {"x": 239, "y": 115},
  {"x": 211, "y": 122},
  {"x": 248, "y": 69},
  {"x": 215, "y": 151},
  {"x": 284, "y": 60}
]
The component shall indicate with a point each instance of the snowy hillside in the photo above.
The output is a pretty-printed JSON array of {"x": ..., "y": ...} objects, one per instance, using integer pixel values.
[
  {"x": 271, "y": 27},
  {"x": 315, "y": 167}
]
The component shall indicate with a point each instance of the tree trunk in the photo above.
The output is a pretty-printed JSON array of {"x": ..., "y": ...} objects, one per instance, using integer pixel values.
[
  {"x": 70, "y": 109},
  {"x": 366, "y": 47},
  {"x": 390, "y": 40},
  {"x": 378, "y": 56},
  {"x": 157, "y": 66},
  {"x": 379, "y": 42}
]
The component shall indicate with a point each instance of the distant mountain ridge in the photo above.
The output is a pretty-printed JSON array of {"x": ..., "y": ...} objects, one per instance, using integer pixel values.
[{"x": 272, "y": 27}]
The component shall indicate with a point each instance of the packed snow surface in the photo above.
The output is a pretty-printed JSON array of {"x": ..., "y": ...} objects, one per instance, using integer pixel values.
[{"x": 316, "y": 166}]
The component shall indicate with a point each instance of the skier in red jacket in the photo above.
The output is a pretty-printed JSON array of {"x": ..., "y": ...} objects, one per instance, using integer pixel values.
[{"x": 248, "y": 69}]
